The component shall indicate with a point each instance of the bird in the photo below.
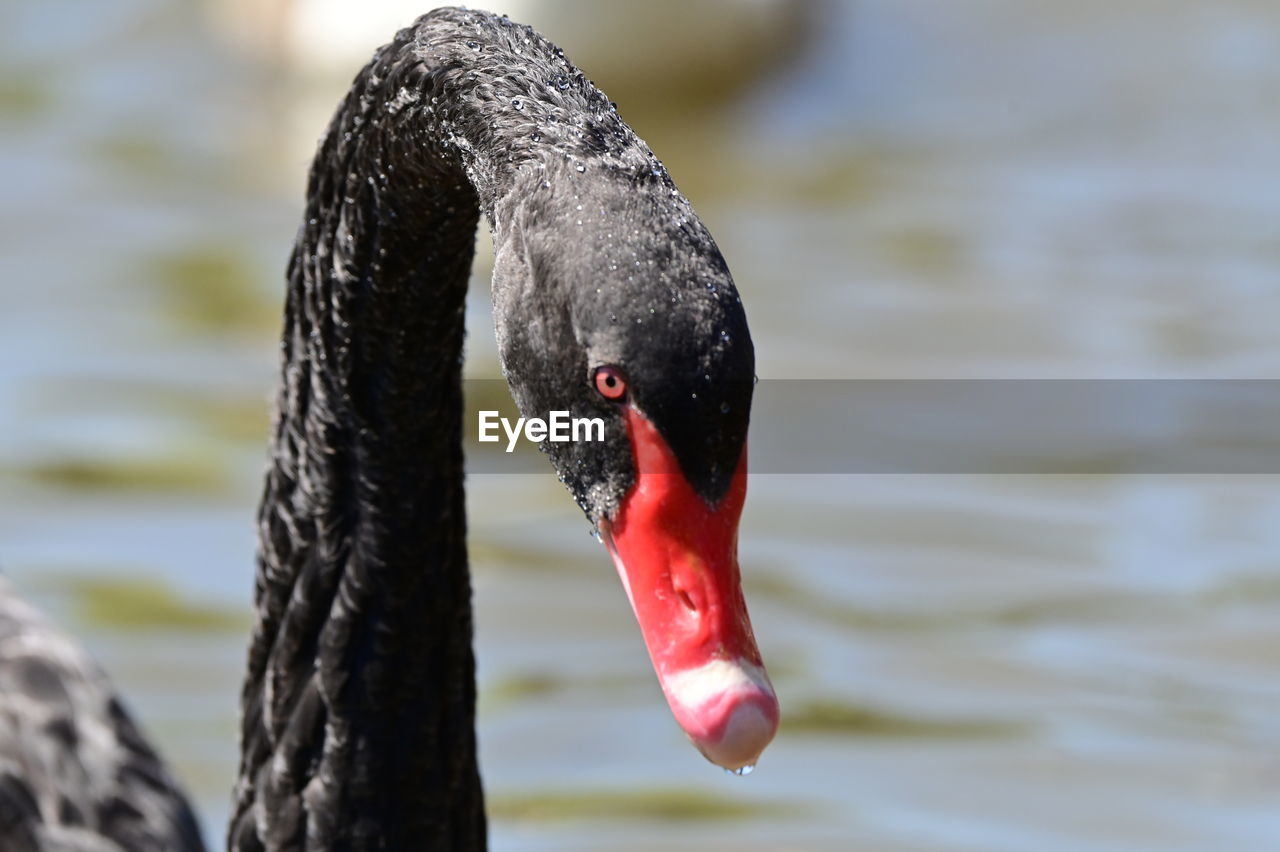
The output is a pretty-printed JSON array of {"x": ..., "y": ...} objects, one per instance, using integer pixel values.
[
  {"x": 612, "y": 303},
  {"x": 76, "y": 773}
]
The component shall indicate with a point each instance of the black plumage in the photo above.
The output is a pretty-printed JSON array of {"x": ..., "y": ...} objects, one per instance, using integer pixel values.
[
  {"x": 358, "y": 722},
  {"x": 76, "y": 775}
]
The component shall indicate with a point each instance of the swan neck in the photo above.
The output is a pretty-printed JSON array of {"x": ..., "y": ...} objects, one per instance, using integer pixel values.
[{"x": 359, "y": 704}]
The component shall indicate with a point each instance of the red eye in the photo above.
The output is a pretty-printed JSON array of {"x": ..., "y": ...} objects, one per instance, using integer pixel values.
[{"x": 610, "y": 384}]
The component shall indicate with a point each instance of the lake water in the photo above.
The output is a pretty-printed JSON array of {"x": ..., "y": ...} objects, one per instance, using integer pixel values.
[{"x": 986, "y": 190}]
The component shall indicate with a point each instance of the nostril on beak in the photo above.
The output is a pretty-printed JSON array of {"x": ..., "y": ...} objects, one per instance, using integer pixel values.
[{"x": 686, "y": 600}]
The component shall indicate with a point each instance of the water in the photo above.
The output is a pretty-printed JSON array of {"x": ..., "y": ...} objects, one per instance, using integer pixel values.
[{"x": 964, "y": 662}]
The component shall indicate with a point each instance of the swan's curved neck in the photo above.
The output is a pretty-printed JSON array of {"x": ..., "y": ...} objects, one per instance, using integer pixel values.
[
  {"x": 358, "y": 717},
  {"x": 358, "y": 706}
]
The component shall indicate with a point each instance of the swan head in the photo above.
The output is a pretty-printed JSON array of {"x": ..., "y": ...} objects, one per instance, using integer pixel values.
[{"x": 612, "y": 301}]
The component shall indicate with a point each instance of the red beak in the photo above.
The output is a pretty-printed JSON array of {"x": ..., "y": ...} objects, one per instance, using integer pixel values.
[{"x": 677, "y": 557}]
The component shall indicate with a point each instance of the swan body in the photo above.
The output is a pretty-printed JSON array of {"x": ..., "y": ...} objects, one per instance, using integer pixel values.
[{"x": 76, "y": 775}]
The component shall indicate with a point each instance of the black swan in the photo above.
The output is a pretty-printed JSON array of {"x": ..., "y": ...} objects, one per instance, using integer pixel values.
[
  {"x": 611, "y": 300},
  {"x": 75, "y": 773}
]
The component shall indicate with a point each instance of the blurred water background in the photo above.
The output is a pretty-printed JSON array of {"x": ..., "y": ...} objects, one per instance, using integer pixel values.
[{"x": 909, "y": 190}]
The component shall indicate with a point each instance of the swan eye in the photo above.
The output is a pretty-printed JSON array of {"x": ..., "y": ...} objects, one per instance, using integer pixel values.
[{"x": 610, "y": 384}]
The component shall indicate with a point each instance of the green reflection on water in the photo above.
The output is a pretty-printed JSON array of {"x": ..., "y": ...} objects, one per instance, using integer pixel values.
[
  {"x": 491, "y": 554},
  {"x": 24, "y": 96},
  {"x": 136, "y": 154},
  {"x": 830, "y": 717},
  {"x": 193, "y": 474},
  {"x": 140, "y": 603},
  {"x": 216, "y": 288},
  {"x": 510, "y": 691},
  {"x": 519, "y": 688},
  {"x": 1107, "y": 605},
  {"x": 657, "y": 805},
  {"x": 926, "y": 250},
  {"x": 234, "y": 417}
]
